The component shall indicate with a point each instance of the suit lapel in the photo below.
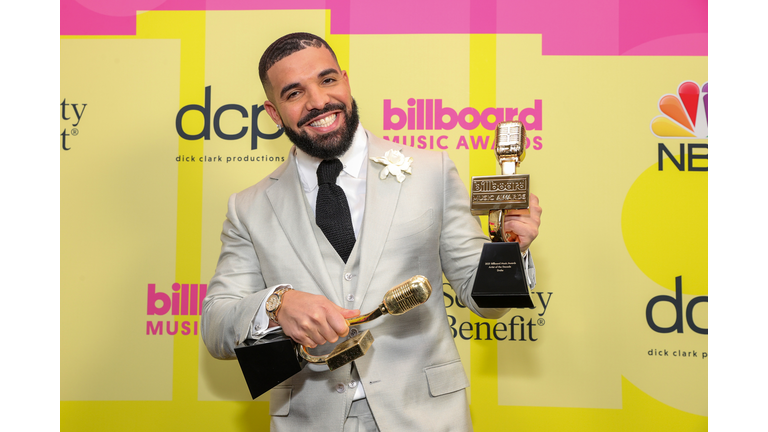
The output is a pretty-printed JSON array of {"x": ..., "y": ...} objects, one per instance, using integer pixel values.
[
  {"x": 289, "y": 204},
  {"x": 380, "y": 202}
]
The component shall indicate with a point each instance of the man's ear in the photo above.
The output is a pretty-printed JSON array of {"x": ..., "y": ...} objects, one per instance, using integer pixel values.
[{"x": 273, "y": 114}]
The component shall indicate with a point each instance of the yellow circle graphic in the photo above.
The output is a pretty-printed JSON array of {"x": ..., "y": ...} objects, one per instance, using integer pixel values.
[{"x": 664, "y": 224}]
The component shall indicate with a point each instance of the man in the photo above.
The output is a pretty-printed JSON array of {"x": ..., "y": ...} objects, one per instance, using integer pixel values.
[{"x": 278, "y": 242}]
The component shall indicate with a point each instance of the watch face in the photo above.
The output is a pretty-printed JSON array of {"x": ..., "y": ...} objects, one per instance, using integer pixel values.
[{"x": 272, "y": 303}]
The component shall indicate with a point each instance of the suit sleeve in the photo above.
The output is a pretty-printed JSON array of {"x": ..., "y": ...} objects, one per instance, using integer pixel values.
[
  {"x": 461, "y": 241},
  {"x": 236, "y": 290}
]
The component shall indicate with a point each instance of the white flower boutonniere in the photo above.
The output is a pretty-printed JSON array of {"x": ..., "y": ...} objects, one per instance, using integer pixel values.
[{"x": 395, "y": 163}]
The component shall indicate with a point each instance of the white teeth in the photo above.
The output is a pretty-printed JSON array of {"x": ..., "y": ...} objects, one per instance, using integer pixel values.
[{"x": 324, "y": 121}]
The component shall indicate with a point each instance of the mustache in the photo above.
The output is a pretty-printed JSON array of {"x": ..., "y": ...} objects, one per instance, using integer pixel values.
[{"x": 316, "y": 112}]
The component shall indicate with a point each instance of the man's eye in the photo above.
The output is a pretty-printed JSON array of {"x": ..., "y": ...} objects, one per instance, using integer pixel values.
[
  {"x": 328, "y": 81},
  {"x": 292, "y": 95}
]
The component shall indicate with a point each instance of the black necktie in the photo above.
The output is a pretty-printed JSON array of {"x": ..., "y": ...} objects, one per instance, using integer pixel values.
[{"x": 332, "y": 212}]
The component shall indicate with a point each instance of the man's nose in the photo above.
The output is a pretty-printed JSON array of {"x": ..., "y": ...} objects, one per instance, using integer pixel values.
[{"x": 317, "y": 98}]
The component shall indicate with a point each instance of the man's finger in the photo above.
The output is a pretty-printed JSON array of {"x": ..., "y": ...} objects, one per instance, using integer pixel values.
[
  {"x": 339, "y": 323},
  {"x": 350, "y": 313},
  {"x": 328, "y": 334}
]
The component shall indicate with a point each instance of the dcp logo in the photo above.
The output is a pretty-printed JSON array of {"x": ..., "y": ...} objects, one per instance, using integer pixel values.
[{"x": 206, "y": 132}]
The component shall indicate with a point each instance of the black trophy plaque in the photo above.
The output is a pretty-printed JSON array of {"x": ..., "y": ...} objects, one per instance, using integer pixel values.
[
  {"x": 500, "y": 279},
  {"x": 268, "y": 361}
]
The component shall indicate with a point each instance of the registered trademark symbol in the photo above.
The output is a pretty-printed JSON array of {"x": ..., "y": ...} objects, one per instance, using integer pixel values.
[
  {"x": 540, "y": 321},
  {"x": 74, "y": 132}
]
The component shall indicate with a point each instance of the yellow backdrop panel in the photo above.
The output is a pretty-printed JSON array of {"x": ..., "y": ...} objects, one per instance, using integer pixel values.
[{"x": 118, "y": 215}]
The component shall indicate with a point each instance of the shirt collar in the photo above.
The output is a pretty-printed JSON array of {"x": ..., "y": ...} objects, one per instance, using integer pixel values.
[{"x": 352, "y": 161}]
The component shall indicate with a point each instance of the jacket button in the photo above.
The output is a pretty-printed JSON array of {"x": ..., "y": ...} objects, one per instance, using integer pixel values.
[
  {"x": 348, "y": 276},
  {"x": 339, "y": 388},
  {"x": 353, "y": 332},
  {"x": 350, "y": 298}
]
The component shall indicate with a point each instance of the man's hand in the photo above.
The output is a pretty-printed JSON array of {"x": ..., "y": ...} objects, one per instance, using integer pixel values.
[
  {"x": 313, "y": 320},
  {"x": 525, "y": 226}
]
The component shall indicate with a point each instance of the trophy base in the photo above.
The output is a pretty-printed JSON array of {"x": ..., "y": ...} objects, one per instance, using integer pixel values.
[
  {"x": 500, "y": 280},
  {"x": 350, "y": 350},
  {"x": 267, "y": 362}
]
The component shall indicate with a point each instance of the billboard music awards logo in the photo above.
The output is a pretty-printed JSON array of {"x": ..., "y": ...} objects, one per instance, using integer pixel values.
[
  {"x": 70, "y": 112},
  {"x": 186, "y": 300},
  {"x": 431, "y": 115}
]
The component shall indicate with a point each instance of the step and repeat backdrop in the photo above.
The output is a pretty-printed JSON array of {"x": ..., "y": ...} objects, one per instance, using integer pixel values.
[{"x": 162, "y": 119}]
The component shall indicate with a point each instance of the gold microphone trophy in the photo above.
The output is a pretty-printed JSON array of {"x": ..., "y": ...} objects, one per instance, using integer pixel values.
[
  {"x": 268, "y": 361},
  {"x": 501, "y": 280}
]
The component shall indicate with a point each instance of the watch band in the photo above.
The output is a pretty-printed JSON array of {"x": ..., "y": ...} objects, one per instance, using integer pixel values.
[{"x": 277, "y": 297}]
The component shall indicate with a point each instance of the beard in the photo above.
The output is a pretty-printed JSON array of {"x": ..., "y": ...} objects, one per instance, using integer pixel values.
[{"x": 331, "y": 145}]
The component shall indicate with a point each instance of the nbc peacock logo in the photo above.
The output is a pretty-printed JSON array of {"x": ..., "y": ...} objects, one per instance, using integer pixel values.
[{"x": 684, "y": 115}]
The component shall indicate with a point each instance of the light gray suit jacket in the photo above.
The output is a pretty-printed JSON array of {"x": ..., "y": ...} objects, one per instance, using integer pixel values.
[{"x": 412, "y": 375}]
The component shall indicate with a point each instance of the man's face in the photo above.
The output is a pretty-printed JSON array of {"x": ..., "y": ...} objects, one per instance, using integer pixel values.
[{"x": 310, "y": 97}]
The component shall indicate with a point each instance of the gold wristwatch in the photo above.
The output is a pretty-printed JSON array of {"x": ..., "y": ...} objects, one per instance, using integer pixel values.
[{"x": 275, "y": 301}]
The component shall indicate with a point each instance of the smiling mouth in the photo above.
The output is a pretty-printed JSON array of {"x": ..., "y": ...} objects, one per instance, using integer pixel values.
[
  {"x": 313, "y": 117},
  {"x": 325, "y": 121}
]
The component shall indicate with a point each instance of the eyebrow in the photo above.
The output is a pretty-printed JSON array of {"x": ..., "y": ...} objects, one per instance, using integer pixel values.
[
  {"x": 323, "y": 73},
  {"x": 287, "y": 89},
  {"x": 327, "y": 72}
]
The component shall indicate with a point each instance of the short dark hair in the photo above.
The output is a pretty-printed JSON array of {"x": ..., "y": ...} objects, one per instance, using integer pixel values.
[{"x": 286, "y": 46}]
